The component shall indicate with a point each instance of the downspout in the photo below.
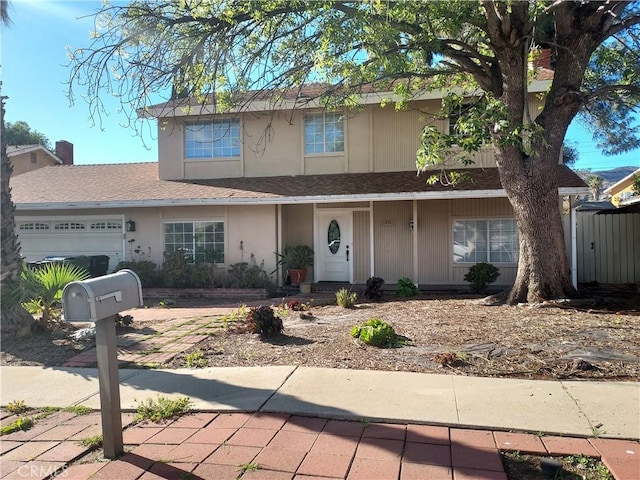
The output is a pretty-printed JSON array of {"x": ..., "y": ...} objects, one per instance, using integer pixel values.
[{"x": 574, "y": 242}]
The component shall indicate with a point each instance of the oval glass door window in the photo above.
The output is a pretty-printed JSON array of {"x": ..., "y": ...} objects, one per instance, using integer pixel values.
[{"x": 333, "y": 237}]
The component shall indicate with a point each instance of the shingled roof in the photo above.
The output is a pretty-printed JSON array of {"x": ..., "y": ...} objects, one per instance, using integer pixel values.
[{"x": 137, "y": 184}]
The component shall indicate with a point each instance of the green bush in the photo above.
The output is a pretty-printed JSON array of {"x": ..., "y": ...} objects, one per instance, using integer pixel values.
[
  {"x": 375, "y": 332},
  {"x": 345, "y": 298},
  {"x": 264, "y": 321},
  {"x": 176, "y": 271},
  {"x": 406, "y": 288},
  {"x": 480, "y": 275},
  {"x": 145, "y": 269}
]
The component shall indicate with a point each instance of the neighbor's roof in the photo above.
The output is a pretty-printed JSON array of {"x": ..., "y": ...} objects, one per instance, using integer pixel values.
[
  {"x": 137, "y": 185},
  {"x": 622, "y": 184},
  {"x": 13, "y": 150}
]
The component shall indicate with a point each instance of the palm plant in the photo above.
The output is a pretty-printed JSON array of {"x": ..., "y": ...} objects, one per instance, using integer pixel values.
[{"x": 39, "y": 291}]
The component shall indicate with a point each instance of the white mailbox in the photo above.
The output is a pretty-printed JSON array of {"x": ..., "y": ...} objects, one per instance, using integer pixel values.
[{"x": 101, "y": 297}]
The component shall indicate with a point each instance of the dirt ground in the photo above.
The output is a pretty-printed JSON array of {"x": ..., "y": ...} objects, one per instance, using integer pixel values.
[
  {"x": 448, "y": 335},
  {"x": 442, "y": 335}
]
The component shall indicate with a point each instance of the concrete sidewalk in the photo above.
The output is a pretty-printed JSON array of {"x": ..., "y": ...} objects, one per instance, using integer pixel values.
[{"x": 576, "y": 408}]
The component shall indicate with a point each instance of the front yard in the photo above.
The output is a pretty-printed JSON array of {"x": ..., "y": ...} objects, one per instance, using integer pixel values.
[{"x": 441, "y": 335}]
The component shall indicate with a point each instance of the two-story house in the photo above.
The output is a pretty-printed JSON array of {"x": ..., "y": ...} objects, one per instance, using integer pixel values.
[{"x": 252, "y": 181}]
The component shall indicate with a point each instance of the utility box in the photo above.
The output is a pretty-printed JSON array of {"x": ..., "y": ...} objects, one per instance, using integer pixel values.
[{"x": 102, "y": 297}]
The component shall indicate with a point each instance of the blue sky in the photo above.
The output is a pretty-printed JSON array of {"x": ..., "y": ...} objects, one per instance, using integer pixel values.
[{"x": 33, "y": 76}]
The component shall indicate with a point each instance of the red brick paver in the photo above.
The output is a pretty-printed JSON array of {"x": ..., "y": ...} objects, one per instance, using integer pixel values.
[{"x": 277, "y": 447}]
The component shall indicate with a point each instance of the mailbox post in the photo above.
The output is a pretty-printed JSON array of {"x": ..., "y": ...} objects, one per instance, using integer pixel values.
[{"x": 97, "y": 300}]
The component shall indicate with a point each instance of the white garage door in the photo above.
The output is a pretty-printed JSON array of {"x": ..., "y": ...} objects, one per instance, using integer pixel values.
[{"x": 71, "y": 236}]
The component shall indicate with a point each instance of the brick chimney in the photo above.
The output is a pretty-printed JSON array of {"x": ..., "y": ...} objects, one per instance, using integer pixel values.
[
  {"x": 64, "y": 151},
  {"x": 544, "y": 59}
]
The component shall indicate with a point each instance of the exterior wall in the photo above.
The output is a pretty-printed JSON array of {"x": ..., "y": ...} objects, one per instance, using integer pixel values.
[
  {"x": 392, "y": 244},
  {"x": 22, "y": 162},
  {"x": 297, "y": 228},
  {"x": 377, "y": 139},
  {"x": 254, "y": 226},
  {"x": 361, "y": 246}
]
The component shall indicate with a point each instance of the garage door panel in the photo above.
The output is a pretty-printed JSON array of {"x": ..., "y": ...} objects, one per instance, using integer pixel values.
[{"x": 39, "y": 238}]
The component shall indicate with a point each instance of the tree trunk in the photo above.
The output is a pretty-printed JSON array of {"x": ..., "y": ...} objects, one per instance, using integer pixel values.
[
  {"x": 14, "y": 321},
  {"x": 543, "y": 267}
]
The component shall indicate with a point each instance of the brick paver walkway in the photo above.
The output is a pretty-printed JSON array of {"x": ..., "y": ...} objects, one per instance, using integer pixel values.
[
  {"x": 155, "y": 344},
  {"x": 229, "y": 446}
]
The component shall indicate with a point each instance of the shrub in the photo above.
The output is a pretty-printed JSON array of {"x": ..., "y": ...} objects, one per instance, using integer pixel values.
[
  {"x": 406, "y": 288},
  {"x": 375, "y": 332},
  {"x": 345, "y": 298},
  {"x": 373, "y": 291},
  {"x": 145, "y": 269},
  {"x": 123, "y": 320},
  {"x": 264, "y": 321},
  {"x": 176, "y": 271},
  {"x": 480, "y": 275}
]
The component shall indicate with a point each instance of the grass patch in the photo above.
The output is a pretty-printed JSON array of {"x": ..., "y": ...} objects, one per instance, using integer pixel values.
[
  {"x": 162, "y": 409},
  {"x": 520, "y": 466},
  {"x": 17, "y": 407},
  {"x": 92, "y": 442},
  {"x": 20, "y": 423},
  {"x": 195, "y": 359}
]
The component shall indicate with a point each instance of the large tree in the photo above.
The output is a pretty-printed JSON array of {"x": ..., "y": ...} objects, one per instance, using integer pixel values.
[
  {"x": 232, "y": 51},
  {"x": 20, "y": 133},
  {"x": 14, "y": 319}
]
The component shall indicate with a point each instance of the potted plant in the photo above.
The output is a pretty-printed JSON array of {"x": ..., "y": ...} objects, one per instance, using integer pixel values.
[{"x": 296, "y": 259}]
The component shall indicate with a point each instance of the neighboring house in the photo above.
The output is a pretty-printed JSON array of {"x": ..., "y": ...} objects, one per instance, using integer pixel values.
[
  {"x": 249, "y": 183},
  {"x": 25, "y": 158},
  {"x": 622, "y": 192}
]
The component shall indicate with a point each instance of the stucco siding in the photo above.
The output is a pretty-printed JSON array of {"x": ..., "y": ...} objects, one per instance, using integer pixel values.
[{"x": 22, "y": 163}]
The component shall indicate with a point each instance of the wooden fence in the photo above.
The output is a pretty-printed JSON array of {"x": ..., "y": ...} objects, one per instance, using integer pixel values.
[{"x": 608, "y": 248}]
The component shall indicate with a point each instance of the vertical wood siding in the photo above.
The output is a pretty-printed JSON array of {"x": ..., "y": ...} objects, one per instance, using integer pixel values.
[
  {"x": 434, "y": 242},
  {"x": 395, "y": 139},
  {"x": 393, "y": 247},
  {"x": 481, "y": 207},
  {"x": 361, "y": 247}
]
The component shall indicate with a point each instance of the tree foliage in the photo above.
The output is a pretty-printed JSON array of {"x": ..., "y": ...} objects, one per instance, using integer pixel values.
[
  {"x": 480, "y": 53},
  {"x": 20, "y": 133}
]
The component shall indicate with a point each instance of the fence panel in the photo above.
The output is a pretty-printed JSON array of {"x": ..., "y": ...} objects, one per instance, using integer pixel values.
[{"x": 608, "y": 248}]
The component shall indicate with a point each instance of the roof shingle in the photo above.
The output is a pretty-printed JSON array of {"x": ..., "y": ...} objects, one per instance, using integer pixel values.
[{"x": 138, "y": 183}]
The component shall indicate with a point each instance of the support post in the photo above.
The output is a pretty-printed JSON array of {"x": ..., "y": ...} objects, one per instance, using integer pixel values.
[{"x": 111, "y": 413}]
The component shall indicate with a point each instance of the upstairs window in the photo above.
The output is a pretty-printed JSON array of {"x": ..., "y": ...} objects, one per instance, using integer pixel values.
[
  {"x": 217, "y": 139},
  {"x": 323, "y": 133},
  {"x": 493, "y": 241}
]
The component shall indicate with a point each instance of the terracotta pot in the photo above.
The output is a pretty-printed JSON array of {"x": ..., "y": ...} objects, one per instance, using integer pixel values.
[{"x": 297, "y": 276}]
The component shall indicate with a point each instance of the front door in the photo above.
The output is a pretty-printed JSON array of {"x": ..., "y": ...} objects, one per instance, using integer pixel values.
[{"x": 333, "y": 245}]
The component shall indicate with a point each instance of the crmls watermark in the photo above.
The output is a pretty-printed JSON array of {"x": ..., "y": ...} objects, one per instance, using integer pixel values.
[{"x": 42, "y": 471}]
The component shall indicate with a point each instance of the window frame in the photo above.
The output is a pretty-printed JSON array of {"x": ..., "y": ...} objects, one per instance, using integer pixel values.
[
  {"x": 230, "y": 123},
  {"x": 193, "y": 251},
  {"x": 324, "y": 152},
  {"x": 515, "y": 252}
]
